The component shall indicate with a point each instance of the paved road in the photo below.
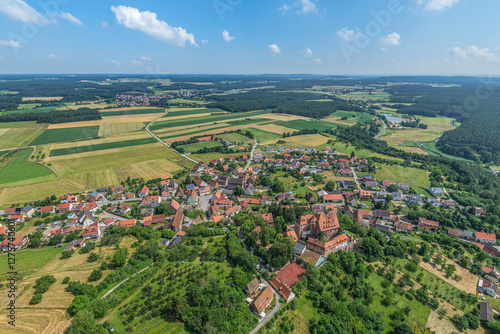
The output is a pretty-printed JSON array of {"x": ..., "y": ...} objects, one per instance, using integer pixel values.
[
  {"x": 164, "y": 143},
  {"x": 355, "y": 178},
  {"x": 268, "y": 317},
  {"x": 17, "y": 148},
  {"x": 107, "y": 214},
  {"x": 383, "y": 130},
  {"x": 251, "y": 157},
  {"x": 204, "y": 201}
]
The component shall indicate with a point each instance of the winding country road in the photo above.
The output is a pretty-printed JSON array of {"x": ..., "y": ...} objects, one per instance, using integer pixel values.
[
  {"x": 164, "y": 143},
  {"x": 251, "y": 156},
  {"x": 383, "y": 130}
]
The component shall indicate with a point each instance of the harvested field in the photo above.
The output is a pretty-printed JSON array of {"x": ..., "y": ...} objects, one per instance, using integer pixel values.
[
  {"x": 112, "y": 129},
  {"x": 299, "y": 141},
  {"x": 467, "y": 284},
  {"x": 185, "y": 130},
  {"x": 87, "y": 104},
  {"x": 275, "y": 128},
  {"x": 54, "y": 98},
  {"x": 214, "y": 131},
  {"x": 189, "y": 112},
  {"x": 149, "y": 170},
  {"x": 133, "y": 112},
  {"x": 108, "y": 120},
  {"x": 207, "y": 119},
  {"x": 19, "y": 137},
  {"x": 128, "y": 109},
  {"x": 23, "y": 194},
  {"x": 110, "y": 139},
  {"x": 36, "y": 321},
  {"x": 440, "y": 325},
  {"x": 80, "y": 169},
  {"x": 4, "y": 131}
]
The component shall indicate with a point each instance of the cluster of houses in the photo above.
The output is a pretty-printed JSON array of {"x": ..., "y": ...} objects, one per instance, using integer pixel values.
[{"x": 260, "y": 293}]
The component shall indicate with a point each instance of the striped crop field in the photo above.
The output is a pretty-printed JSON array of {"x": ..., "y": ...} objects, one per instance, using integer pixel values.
[{"x": 51, "y": 136}]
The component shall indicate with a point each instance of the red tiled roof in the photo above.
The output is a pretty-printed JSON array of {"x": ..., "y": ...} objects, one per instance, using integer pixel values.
[
  {"x": 264, "y": 299},
  {"x": 283, "y": 289},
  {"x": 332, "y": 197},
  {"x": 126, "y": 223},
  {"x": 176, "y": 223},
  {"x": 486, "y": 236},
  {"x": 291, "y": 273},
  {"x": 4, "y": 230},
  {"x": 292, "y": 234},
  {"x": 45, "y": 209}
]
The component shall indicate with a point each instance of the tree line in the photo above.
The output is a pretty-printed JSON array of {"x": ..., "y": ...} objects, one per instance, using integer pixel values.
[{"x": 54, "y": 117}]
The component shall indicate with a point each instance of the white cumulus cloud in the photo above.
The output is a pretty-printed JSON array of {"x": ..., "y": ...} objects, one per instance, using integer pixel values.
[
  {"x": 53, "y": 56},
  {"x": 302, "y": 7},
  {"x": 18, "y": 10},
  {"x": 226, "y": 36},
  {"x": 69, "y": 17},
  {"x": 148, "y": 23},
  {"x": 105, "y": 25},
  {"x": 393, "y": 39},
  {"x": 308, "y": 53},
  {"x": 347, "y": 35},
  {"x": 437, "y": 5},
  {"x": 113, "y": 62},
  {"x": 137, "y": 62},
  {"x": 145, "y": 58},
  {"x": 285, "y": 9},
  {"x": 12, "y": 44},
  {"x": 317, "y": 61},
  {"x": 308, "y": 6},
  {"x": 275, "y": 50},
  {"x": 472, "y": 52},
  {"x": 204, "y": 41}
]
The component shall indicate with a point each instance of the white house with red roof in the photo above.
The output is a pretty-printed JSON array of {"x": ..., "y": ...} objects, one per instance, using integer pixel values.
[
  {"x": 485, "y": 238},
  {"x": 143, "y": 192}
]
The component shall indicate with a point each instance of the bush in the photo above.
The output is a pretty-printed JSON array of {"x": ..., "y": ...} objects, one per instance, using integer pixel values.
[
  {"x": 78, "y": 304},
  {"x": 86, "y": 249},
  {"x": 67, "y": 254},
  {"x": 66, "y": 280},
  {"x": 93, "y": 257},
  {"x": 411, "y": 267},
  {"x": 96, "y": 275},
  {"x": 37, "y": 298}
]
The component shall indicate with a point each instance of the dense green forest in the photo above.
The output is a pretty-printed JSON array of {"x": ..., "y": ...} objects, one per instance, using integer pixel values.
[
  {"x": 475, "y": 105},
  {"x": 54, "y": 117},
  {"x": 479, "y": 134},
  {"x": 302, "y": 104},
  {"x": 472, "y": 184}
]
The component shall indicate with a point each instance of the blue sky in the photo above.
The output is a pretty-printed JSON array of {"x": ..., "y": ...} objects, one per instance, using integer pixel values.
[{"x": 363, "y": 37}]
